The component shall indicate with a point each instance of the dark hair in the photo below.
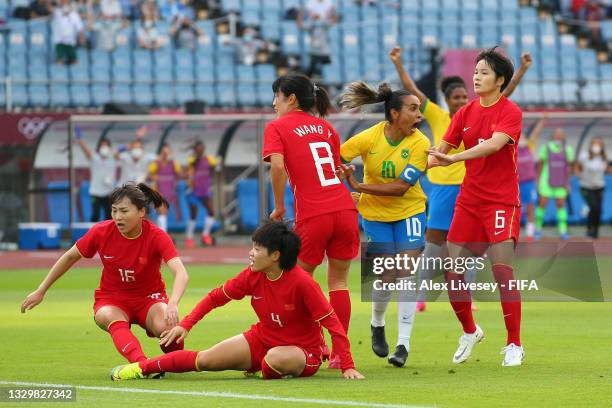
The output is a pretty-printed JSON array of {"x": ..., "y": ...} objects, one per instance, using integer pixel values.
[
  {"x": 359, "y": 93},
  {"x": 140, "y": 195},
  {"x": 450, "y": 83},
  {"x": 499, "y": 63},
  {"x": 309, "y": 95},
  {"x": 277, "y": 236},
  {"x": 103, "y": 140}
]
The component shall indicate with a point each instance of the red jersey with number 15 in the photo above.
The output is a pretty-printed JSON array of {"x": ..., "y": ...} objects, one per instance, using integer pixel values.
[
  {"x": 131, "y": 266},
  {"x": 311, "y": 149},
  {"x": 494, "y": 178}
]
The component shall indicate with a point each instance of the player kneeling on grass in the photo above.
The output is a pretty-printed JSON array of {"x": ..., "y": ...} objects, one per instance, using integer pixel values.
[{"x": 285, "y": 342}]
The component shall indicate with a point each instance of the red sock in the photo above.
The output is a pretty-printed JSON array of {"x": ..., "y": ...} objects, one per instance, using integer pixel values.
[
  {"x": 125, "y": 342},
  {"x": 510, "y": 301},
  {"x": 176, "y": 362},
  {"x": 461, "y": 301},
  {"x": 269, "y": 373},
  {"x": 341, "y": 302},
  {"x": 174, "y": 346}
]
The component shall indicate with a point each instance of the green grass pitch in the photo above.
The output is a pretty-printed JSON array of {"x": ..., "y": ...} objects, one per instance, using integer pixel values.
[{"x": 568, "y": 359}]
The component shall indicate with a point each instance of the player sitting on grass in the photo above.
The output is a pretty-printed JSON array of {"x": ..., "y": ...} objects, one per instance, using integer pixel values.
[{"x": 287, "y": 339}]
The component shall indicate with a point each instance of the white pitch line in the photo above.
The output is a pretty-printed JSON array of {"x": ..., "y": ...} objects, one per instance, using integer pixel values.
[{"x": 213, "y": 394}]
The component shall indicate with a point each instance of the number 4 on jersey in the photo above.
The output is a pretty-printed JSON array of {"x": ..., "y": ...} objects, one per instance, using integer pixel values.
[{"x": 320, "y": 161}]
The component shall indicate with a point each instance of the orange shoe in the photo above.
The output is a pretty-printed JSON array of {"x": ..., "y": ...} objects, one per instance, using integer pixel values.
[
  {"x": 207, "y": 240},
  {"x": 189, "y": 243}
]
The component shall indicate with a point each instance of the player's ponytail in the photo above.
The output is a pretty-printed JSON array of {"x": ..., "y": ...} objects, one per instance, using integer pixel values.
[
  {"x": 322, "y": 102},
  {"x": 277, "y": 236},
  {"x": 140, "y": 195},
  {"x": 358, "y": 93}
]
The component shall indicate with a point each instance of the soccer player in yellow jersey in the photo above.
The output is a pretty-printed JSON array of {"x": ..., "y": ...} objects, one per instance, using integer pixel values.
[
  {"x": 445, "y": 181},
  {"x": 392, "y": 202}
]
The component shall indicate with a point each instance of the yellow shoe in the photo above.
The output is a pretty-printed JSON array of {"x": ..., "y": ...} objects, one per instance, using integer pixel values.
[{"x": 127, "y": 372}]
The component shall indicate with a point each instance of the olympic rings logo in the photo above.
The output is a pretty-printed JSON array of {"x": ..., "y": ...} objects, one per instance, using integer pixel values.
[{"x": 30, "y": 127}]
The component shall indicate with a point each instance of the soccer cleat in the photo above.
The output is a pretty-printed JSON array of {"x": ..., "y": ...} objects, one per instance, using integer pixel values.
[
  {"x": 334, "y": 363},
  {"x": 421, "y": 306},
  {"x": 207, "y": 240},
  {"x": 399, "y": 356},
  {"x": 127, "y": 372},
  {"x": 474, "y": 307},
  {"x": 537, "y": 236},
  {"x": 189, "y": 243},
  {"x": 513, "y": 355},
  {"x": 379, "y": 343},
  {"x": 466, "y": 343}
]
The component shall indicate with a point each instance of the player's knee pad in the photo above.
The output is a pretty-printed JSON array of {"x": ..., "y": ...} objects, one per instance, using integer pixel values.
[{"x": 268, "y": 372}]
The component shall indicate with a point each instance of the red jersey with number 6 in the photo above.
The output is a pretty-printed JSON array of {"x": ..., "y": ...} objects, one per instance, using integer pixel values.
[
  {"x": 311, "y": 149},
  {"x": 494, "y": 178},
  {"x": 131, "y": 266}
]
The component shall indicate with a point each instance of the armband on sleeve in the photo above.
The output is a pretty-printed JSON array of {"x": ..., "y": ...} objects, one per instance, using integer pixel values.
[{"x": 410, "y": 174}]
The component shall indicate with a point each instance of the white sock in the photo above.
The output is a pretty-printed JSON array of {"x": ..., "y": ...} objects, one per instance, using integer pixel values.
[
  {"x": 162, "y": 222},
  {"x": 380, "y": 300},
  {"x": 428, "y": 274},
  {"x": 406, "y": 308},
  {"x": 190, "y": 228},
  {"x": 208, "y": 224},
  {"x": 530, "y": 229}
]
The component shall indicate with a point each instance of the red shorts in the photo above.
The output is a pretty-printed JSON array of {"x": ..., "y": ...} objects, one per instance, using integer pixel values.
[
  {"x": 335, "y": 234},
  {"x": 482, "y": 225},
  {"x": 135, "y": 307},
  {"x": 259, "y": 350}
]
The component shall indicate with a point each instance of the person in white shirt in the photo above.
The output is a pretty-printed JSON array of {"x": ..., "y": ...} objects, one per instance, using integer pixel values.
[
  {"x": 67, "y": 32},
  {"x": 134, "y": 163},
  {"x": 591, "y": 168}
]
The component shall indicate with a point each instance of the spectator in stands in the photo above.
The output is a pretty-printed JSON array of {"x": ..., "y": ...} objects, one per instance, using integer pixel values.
[
  {"x": 147, "y": 34},
  {"x": 40, "y": 9},
  {"x": 171, "y": 10},
  {"x": 149, "y": 11},
  {"x": 325, "y": 9},
  {"x": 206, "y": 9},
  {"x": 102, "y": 167},
  {"x": 68, "y": 30},
  {"x": 224, "y": 37},
  {"x": 185, "y": 33},
  {"x": 320, "y": 20},
  {"x": 106, "y": 24},
  {"x": 592, "y": 13},
  {"x": 591, "y": 168},
  {"x": 249, "y": 45}
]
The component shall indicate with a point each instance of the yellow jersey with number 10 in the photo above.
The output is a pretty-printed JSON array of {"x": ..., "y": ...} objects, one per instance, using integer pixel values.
[
  {"x": 384, "y": 162},
  {"x": 439, "y": 120}
]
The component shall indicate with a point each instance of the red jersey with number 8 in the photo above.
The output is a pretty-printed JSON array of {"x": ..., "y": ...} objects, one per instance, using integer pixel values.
[
  {"x": 311, "y": 149},
  {"x": 131, "y": 266}
]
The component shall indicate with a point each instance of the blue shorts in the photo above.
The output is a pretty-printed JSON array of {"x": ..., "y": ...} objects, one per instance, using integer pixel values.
[
  {"x": 396, "y": 236},
  {"x": 192, "y": 199},
  {"x": 442, "y": 199},
  {"x": 529, "y": 195}
]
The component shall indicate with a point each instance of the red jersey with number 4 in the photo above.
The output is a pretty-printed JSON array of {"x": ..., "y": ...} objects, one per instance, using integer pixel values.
[
  {"x": 311, "y": 149},
  {"x": 291, "y": 310},
  {"x": 131, "y": 266},
  {"x": 494, "y": 178}
]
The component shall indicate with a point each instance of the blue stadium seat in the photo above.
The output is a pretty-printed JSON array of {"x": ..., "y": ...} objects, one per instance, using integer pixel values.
[
  {"x": 80, "y": 95},
  {"x": 270, "y": 27},
  {"x": 265, "y": 72},
  {"x": 184, "y": 93},
  {"x": 163, "y": 73},
  {"x": 20, "y": 95},
  {"x": 429, "y": 5},
  {"x": 369, "y": 14},
  {"x": 264, "y": 94},
  {"x": 606, "y": 91},
  {"x": 247, "y": 193},
  {"x": 16, "y": 63},
  {"x": 205, "y": 73},
  {"x": 589, "y": 68},
  {"x": 59, "y": 95},
  {"x": 121, "y": 93},
  {"x": 100, "y": 94},
  {"x": 489, "y": 4},
  {"x": 17, "y": 37},
  {"x": 250, "y": 17},
  {"x": 569, "y": 91},
  {"x": 225, "y": 73},
  {"x": 606, "y": 30},
  {"x": 246, "y": 73},
  {"x": 247, "y": 94},
  {"x": 58, "y": 73},
  {"x": 121, "y": 74},
  {"x": 551, "y": 93},
  {"x": 226, "y": 94},
  {"x": 591, "y": 94},
  {"x": 231, "y": 5},
  {"x": 206, "y": 92},
  {"x": 332, "y": 73},
  {"x": 290, "y": 38},
  {"x": 37, "y": 70},
  {"x": 39, "y": 95},
  {"x": 38, "y": 38},
  {"x": 79, "y": 72},
  {"x": 142, "y": 69},
  {"x": 143, "y": 94},
  {"x": 532, "y": 93},
  {"x": 163, "y": 94}
]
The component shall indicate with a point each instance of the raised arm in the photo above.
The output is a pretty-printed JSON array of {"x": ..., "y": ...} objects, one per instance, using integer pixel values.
[
  {"x": 396, "y": 57},
  {"x": 79, "y": 137},
  {"x": 486, "y": 148},
  {"x": 60, "y": 267},
  {"x": 526, "y": 62},
  {"x": 537, "y": 130},
  {"x": 178, "y": 289}
]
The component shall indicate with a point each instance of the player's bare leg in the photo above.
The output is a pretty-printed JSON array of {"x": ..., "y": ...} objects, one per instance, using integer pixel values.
[
  {"x": 156, "y": 324},
  {"x": 115, "y": 321},
  {"x": 501, "y": 256},
  {"x": 209, "y": 221},
  {"x": 283, "y": 361},
  {"x": 230, "y": 354},
  {"x": 193, "y": 213},
  {"x": 539, "y": 217}
]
